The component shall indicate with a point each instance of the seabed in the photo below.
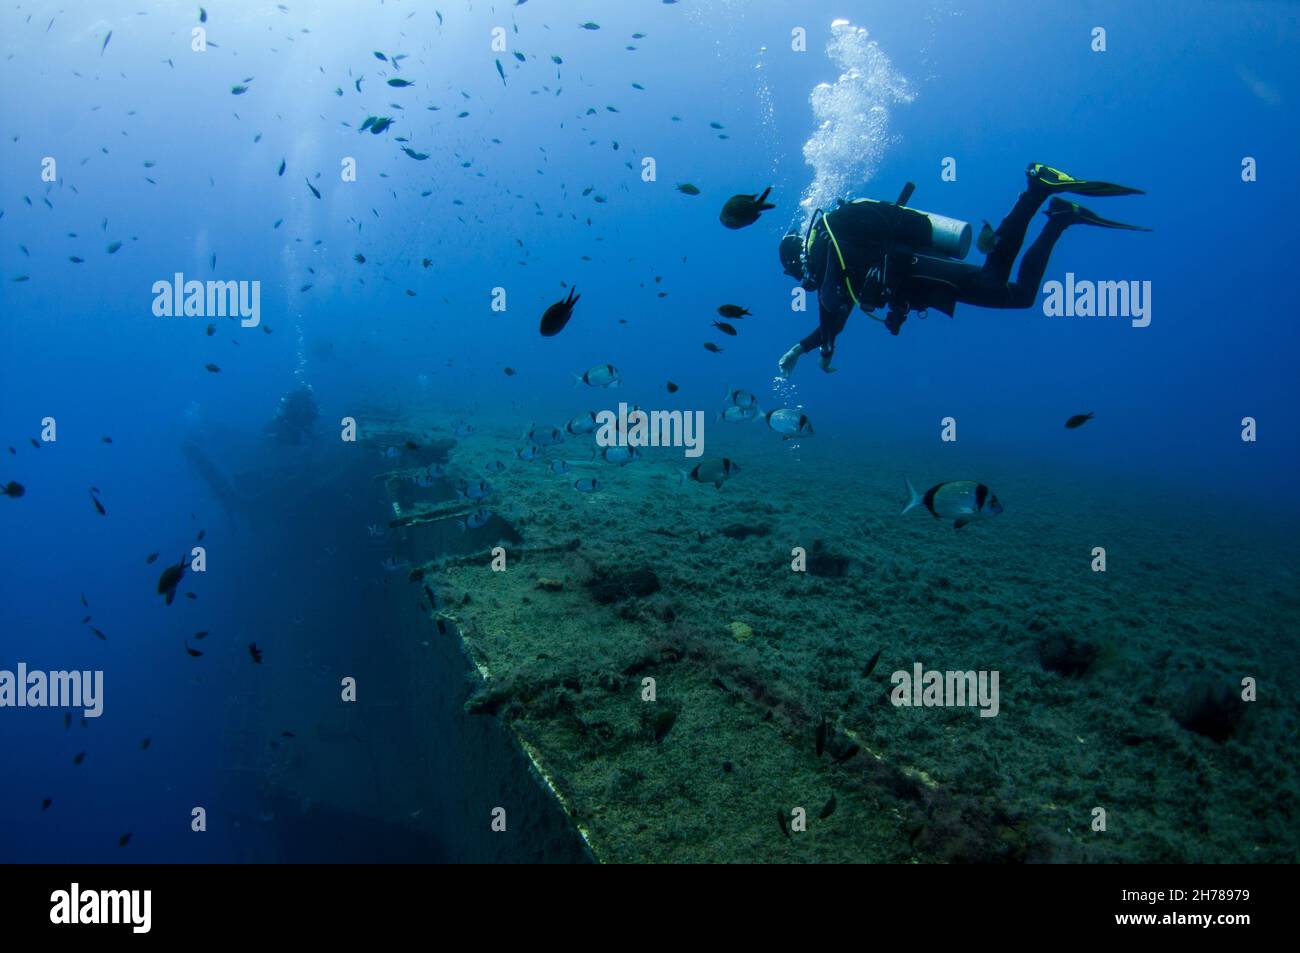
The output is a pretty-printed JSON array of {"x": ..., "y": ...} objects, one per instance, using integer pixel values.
[{"x": 766, "y": 739}]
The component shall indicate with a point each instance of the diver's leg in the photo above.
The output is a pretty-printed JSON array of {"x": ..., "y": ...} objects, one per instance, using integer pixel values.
[
  {"x": 1029, "y": 278},
  {"x": 1023, "y": 292},
  {"x": 1010, "y": 235}
]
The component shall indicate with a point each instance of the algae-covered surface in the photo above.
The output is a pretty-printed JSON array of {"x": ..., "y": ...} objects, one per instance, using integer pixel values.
[{"x": 690, "y": 696}]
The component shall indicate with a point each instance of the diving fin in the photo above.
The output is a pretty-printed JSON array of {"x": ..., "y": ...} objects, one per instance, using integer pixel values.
[
  {"x": 1054, "y": 180},
  {"x": 1078, "y": 214},
  {"x": 987, "y": 240}
]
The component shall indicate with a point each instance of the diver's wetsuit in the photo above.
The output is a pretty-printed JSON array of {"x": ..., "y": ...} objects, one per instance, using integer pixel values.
[{"x": 918, "y": 282}]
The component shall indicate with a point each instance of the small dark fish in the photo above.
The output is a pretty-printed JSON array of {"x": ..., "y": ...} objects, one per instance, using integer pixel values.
[
  {"x": 558, "y": 315},
  {"x": 202, "y": 533},
  {"x": 106, "y": 439},
  {"x": 846, "y": 754},
  {"x": 412, "y": 445},
  {"x": 124, "y": 839},
  {"x": 280, "y": 171},
  {"x": 687, "y": 189},
  {"x": 45, "y": 804},
  {"x": 725, "y": 328},
  {"x": 710, "y": 346},
  {"x": 1078, "y": 420},
  {"x": 113, "y": 247},
  {"x": 255, "y": 652},
  {"x": 400, "y": 83},
  {"x": 79, "y": 757},
  {"x": 170, "y": 579},
  {"x": 191, "y": 595},
  {"x": 85, "y": 619},
  {"x": 313, "y": 188},
  {"x": 589, "y": 25},
  {"x": 102, "y": 636},
  {"x": 103, "y": 46},
  {"x": 98, "y": 505},
  {"x": 742, "y": 210},
  {"x": 203, "y": 15},
  {"x": 509, "y": 371},
  {"x": 417, "y": 156},
  {"x": 201, "y": 635},
  {"x": 212, "y": 329},
  {"x": 84, "y": 602},
  {"x": 732, "y": 311},
  {"x": 32, "y": 441},
  {"x": 238, "y": 89},
  {"x": 148, "y": 560},
  {"x": 359, "y": 258},
  {"x": 672, "y": 388},
  {"x": 829, "y": 809},
  {"x": 212, "y": 368},
  {"x": 193, "y": 653},
  {"x": 144, "y": 745},
  {"x": 13, "y": 489},
  {"x": 871, "y": 665}
]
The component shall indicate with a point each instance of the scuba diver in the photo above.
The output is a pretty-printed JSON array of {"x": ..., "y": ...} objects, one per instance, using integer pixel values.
[
  {"x": 885, "y": 255},
  {"x": 294, "y": 416}
]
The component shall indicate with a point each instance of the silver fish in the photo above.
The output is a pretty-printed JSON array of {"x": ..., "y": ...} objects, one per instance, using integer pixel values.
[
  {"x": 717, "y": 471},
  {"x": 741, "y": 398},
  {"x": 620, "y": 455},
  {"x": 602, "y": 375},
  {"x": 581, "y": 424},
  {"x": 963, "y": 501},
  {"x": 475, "y": 491},
  {"x": 546, "y": 436},
  {"x": 790, "y": 423},
  {"x": 737, "y": 413}
]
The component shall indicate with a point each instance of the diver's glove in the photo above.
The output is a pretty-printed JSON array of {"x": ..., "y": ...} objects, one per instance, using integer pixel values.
[{"x": 894, "y": 321}]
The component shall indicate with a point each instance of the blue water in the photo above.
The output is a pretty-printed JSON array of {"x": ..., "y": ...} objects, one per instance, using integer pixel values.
[{"x": 1180, "y": 96}]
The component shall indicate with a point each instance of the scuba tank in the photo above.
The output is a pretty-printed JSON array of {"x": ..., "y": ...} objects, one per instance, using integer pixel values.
[
  {"x": 948, "y": 237},
  {"x": 891, "y": 235}
]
